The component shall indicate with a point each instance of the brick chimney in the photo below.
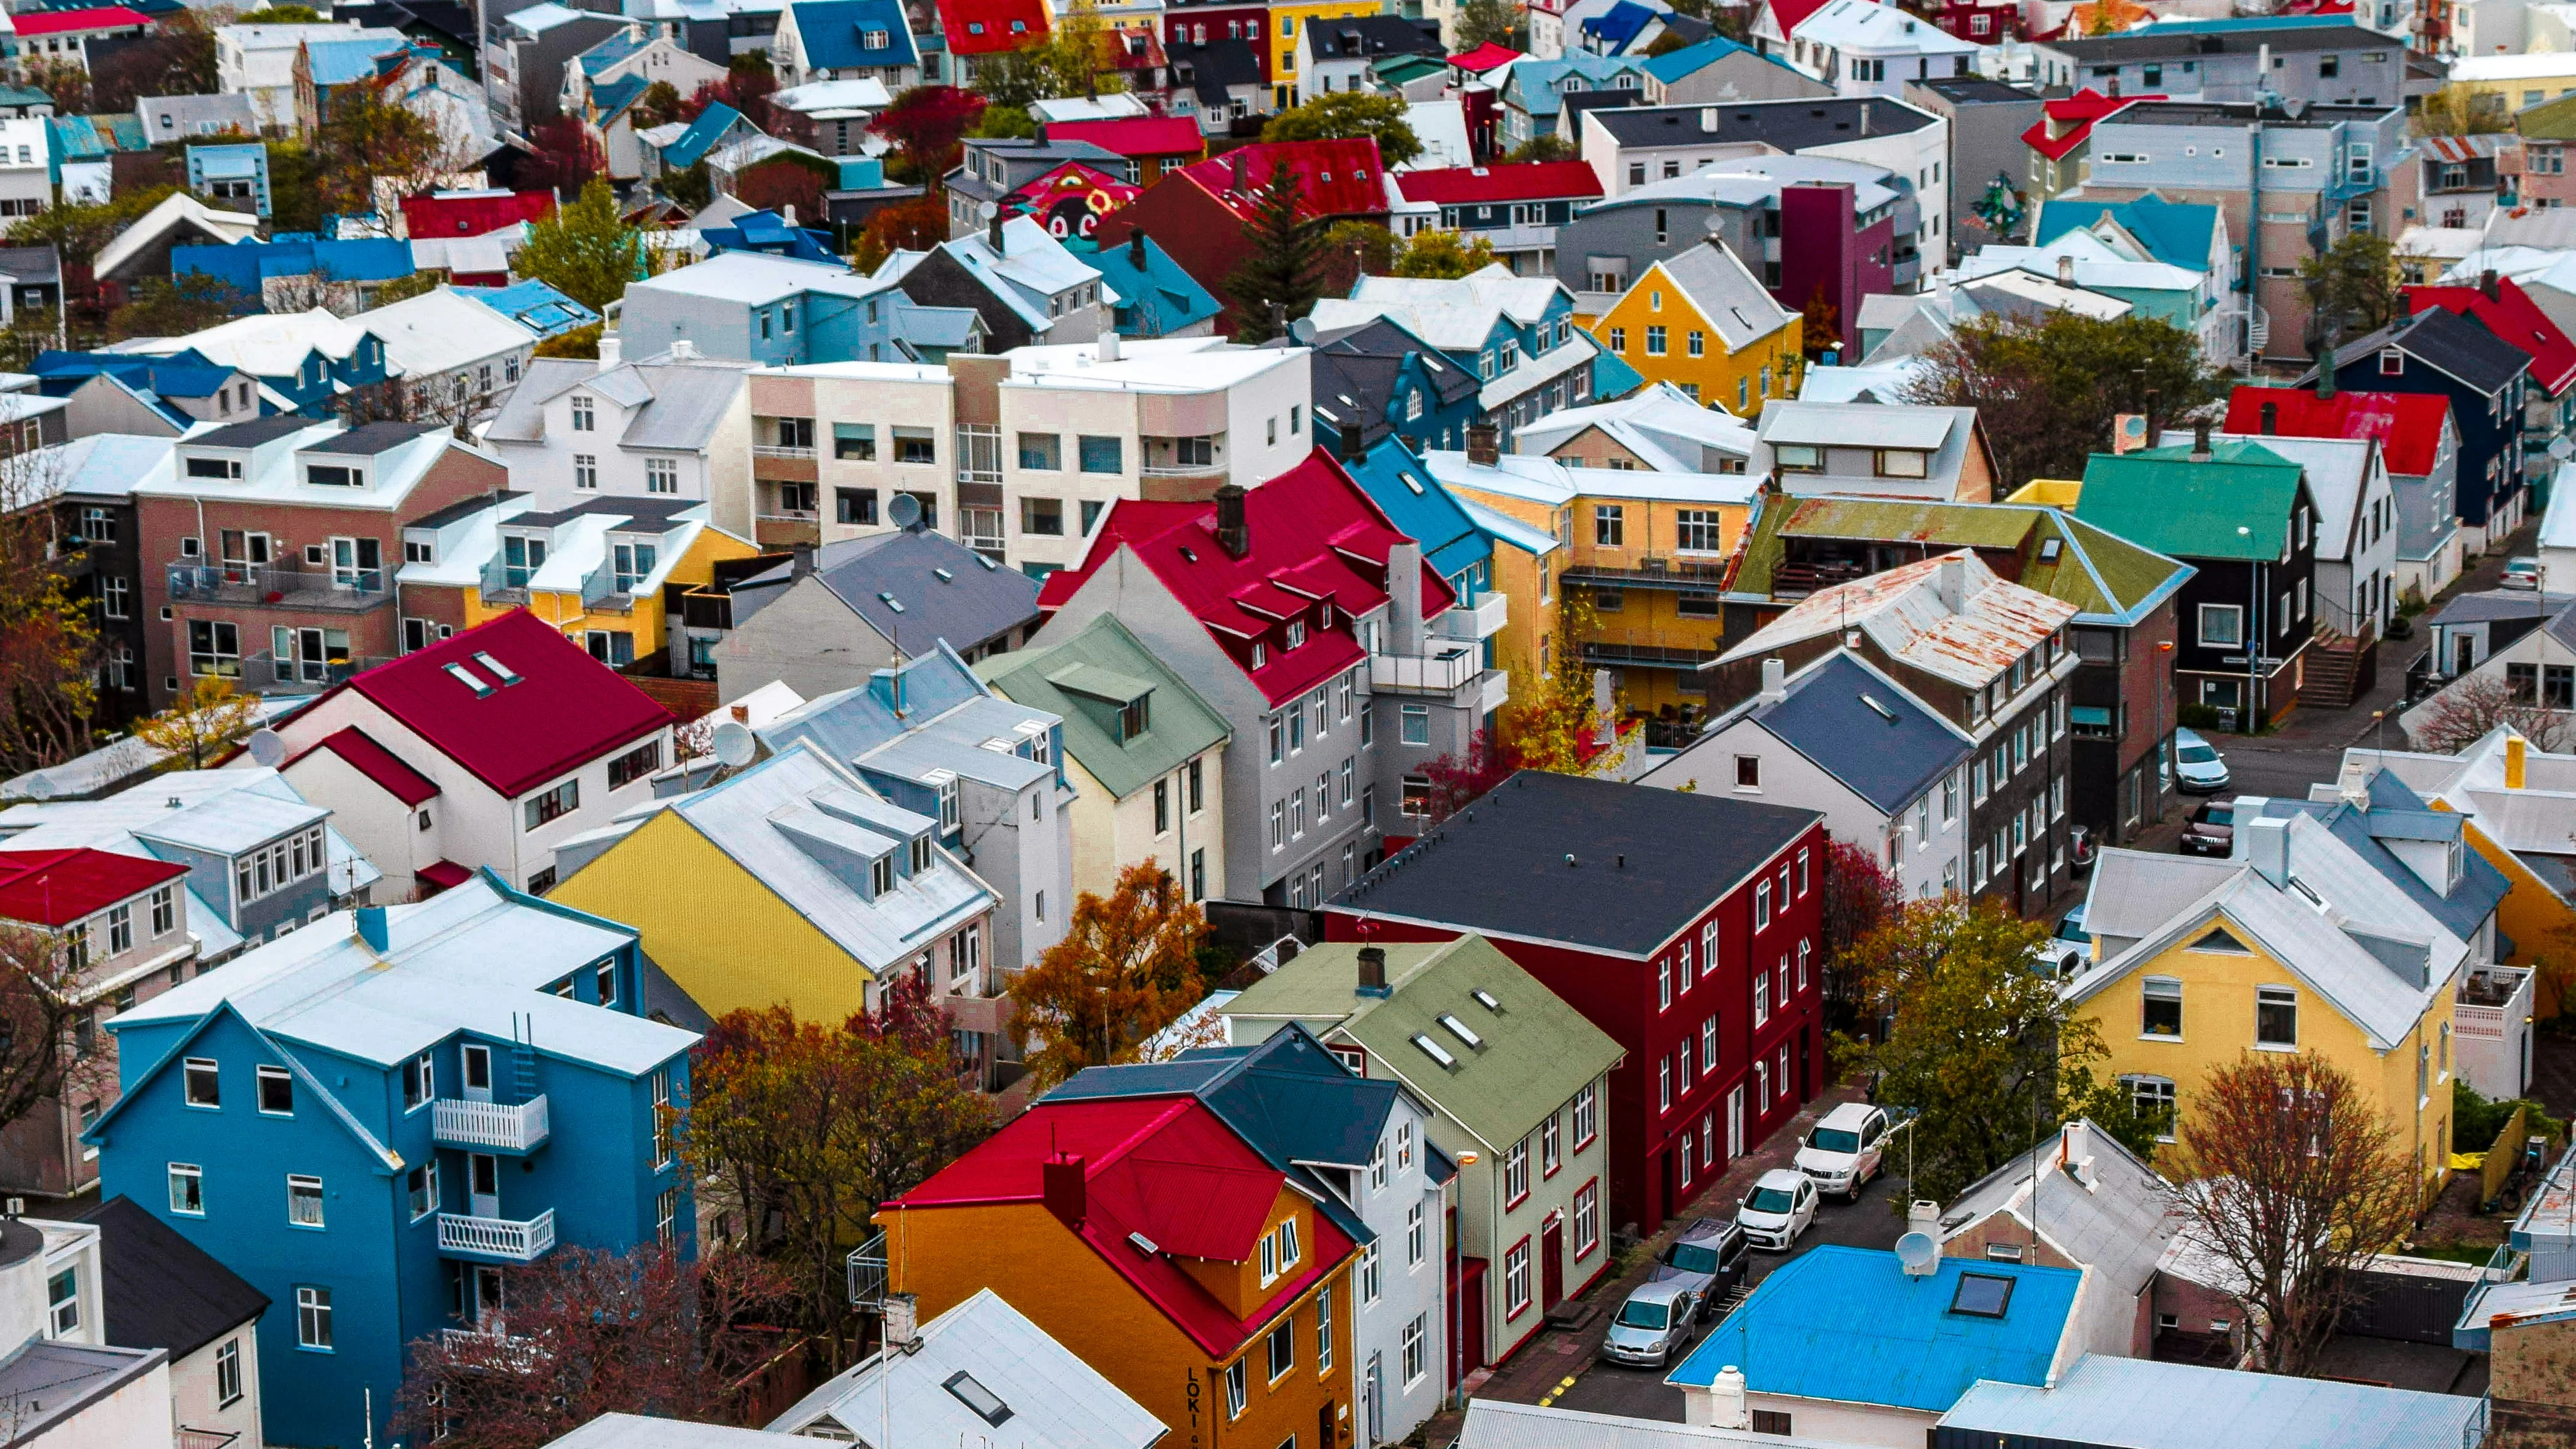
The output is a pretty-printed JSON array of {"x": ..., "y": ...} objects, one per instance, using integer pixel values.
[
  {"x": 1373, "y": 972},
  {"x": 1060, "y": 1180},
  {"x": 1233, "y": 534}
]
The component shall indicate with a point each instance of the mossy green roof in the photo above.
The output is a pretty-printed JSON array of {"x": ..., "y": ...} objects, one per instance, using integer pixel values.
[
  {"x": 2109, "y": 579},
  {"x": 2161, "y": 498},
  {"x": 1084, "y": 676}
]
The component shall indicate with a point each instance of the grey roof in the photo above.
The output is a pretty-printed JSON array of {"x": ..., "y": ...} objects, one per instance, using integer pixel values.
[
  {"x": 637, "y": 1431},
  {"x": 184, "y": 112},
  {"x": 252, "y": 433},
  {"x": 2136, "y": 1403},
  {"x": 2239, "y": 113},
  {"x": 32, "y": 266},
  {"x": 159, "y": 1290},
  {"x": 947, "y": 590},
  {"x": 1791, "y": 125},
  {"x": 1647, "y": 862},
  {"x": 1727, "y": 294},
  {"x": 2398, "y": 813},
  {"x": 2445, "y": 341},
  {"x": 1215, "y": 67},
  {"x": 50, "y": 1381},
  {"x": 465, "y": 507},
  {"x": 1976, "y": 89},
  {"x": 1049, "y": 1395},
  {"x": 1498, "y": 1424},
  {"x": 678, "y": 404},
  {"x": 2158, "y": 42},
  {"x": 1860, "y": 727},
  {"x": 2495, "y": 604},
  {"x": 1353, "y": 36},
  {"x": 2116, "y": 1225},
  {"x": 368, "y": 439}
]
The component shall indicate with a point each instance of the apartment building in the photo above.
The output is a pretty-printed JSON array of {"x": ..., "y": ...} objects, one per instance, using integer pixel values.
[{"x": 2319, "y": 60}]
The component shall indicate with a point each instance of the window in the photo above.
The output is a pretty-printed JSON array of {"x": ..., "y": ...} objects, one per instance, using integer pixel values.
[
  {"x": 1282, "y": 1349},
  {"x": 661, "y": 475},
  {"x": 1609, "y": 524},
  {"x": 2276, "y": 1016},
  {"x": 165, "y": 910},
  {"x": 854, "y": 442},
  {"x": 1761, "y": 905},
  {"x": 1587, "y": 1219},
  {"x": 584, "y": 418},
  {"x": 1697, "y": 530},
  {"x": 2162, "y": 1013},
  {"x": 634, "y": 765},
  {"x": 228, "y": 1374},
  {"x": 554, "y": 804},
  {"x": 2154, "y": 1099},
  {"x": 214, "y": 647},
  {"x": 276, "y": 1092},
  {"x": 313, "y": 1318},
  {"x": 1234, "y": 1390},
  {"x": 1416, "y": 1360},
  {"x": 419, "y": 1082},
  {"x": 1515, "y": 1173},
  {"x": 204, "y": 1088},
  {"x": 1042, "y": 516},
  {"x": 187, "y": 1189},
  {"x": 1587, "y": 1116},
  {"x": 1324, "y": 1331},
  {"x": 303, "y": 1200},
  {"x": 1516, "y": 1280},
  {"x": 422, "y": 1183},
  {"x": 661, "y": 1090},
  {"x": 1748, "y": 772},
  {"x": 2222, "y": 626},
  {"x": 1415, "y": 726}
]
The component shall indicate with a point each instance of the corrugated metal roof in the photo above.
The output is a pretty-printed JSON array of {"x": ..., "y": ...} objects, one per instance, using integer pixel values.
[
  {"x": 1993, "y": 624},
  {"x": 2143, "y": 1404}
]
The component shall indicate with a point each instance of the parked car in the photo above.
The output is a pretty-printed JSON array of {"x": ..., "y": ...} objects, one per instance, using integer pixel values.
[
  {"x": 1778, "y": 1209},
  {"x": 2521, "y": 573},
  {"x": 1653, "y": 1326},
  {"x": 1842, "y": 1153},
  {"x": 2198, "y": 770},
  {"x": 2211, "y": 830},
  {"x": 1707, "y": 1257}
]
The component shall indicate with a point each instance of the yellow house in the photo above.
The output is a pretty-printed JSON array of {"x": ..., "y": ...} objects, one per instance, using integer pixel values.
[
  {"x": 1703, "y": 323},
  {"x": 596, "y": 571},
  {"x": 2300, "y": 944},
  {"x": 2494, "y": 87}
]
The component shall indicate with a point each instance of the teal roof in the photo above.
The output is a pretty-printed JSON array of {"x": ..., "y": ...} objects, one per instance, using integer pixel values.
[
  {"x": 1850, "y": 1325},
  {"x": 609, "y": 52},
  {"x": 1155, "y": 300},
  {"x": 1672, "y": 65},
  {"x": 2176, "y": 233},
  {"x": 701, "y": 137},
  {"x": 1085, "y": 677},
  {"x": 2160, "y": 498},
  {"x": 1420, "y": 508},
  {"x": 1539, "y": 84},
  {"x": 609, "y": 98},
  {"x": 1613, "y": 378}
]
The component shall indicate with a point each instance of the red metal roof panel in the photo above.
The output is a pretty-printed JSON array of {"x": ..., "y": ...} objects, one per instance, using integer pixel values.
[
  {"x": 1518, "y": 181},
  {"x": 1135, "y": 136},
  {"x": 377, "y": 763},
  {"x": 57, "y": 22},
  {"x": 62, "y": 887},
  {"x": 2408, "y": 425},
  {"x": 990, "y": 27}
]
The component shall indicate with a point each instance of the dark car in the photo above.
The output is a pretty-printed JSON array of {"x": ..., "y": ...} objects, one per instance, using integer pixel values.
[
  {"x": 1707, "y": 1257},
  {"x": 2211, "y": 830}
]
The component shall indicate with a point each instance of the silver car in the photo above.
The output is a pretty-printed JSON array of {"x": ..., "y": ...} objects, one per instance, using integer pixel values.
[
  {"x": 1653, "y": 1326},
  {"x": 1707, "y": 1258}
]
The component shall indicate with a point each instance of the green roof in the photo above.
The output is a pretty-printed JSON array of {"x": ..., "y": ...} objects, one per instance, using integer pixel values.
[
  {"x": 2161, "y": 498},
  {"x": 1536, "y": 1051},
  {"x": 2107, "y": 578},
  {"x": 2551, "y": 120},
  {"x": 1085, "y": 677}
]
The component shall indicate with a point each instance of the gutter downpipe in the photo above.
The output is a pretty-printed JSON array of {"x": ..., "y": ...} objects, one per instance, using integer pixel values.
[{"x": 2253, "y": 223}]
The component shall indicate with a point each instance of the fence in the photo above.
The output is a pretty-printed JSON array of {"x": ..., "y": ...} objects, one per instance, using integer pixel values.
[{"x": 2501, "y": 1156}]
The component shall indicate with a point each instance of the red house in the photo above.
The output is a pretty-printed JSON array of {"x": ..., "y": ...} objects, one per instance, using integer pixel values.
[
  {"x": 1197, "y": 214},
  {"x": 1985, "y": 22},
  {"x": 1154, "y": 144},
  {"x": 1686, "y": 926},
  {"x": 473, "y": 213},
  {"x": 977, "y": 30}
]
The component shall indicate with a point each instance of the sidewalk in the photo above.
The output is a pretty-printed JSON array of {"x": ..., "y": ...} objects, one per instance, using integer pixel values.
[{"x": 1549, "y": 1363}]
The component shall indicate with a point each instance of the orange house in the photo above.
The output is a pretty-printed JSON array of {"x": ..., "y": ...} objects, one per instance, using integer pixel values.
[{"x": 1148, "y": 1238}]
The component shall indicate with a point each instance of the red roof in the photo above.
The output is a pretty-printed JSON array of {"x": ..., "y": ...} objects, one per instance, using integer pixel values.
[
  {"x": 1315, "y": 536},
  {"x": 2512, "y": 315},
  {"x": 1518, "y": 181},
  {"x": 1163, "y": 1168},
  {"x": 377, "y": 763},
  {"x": 58, "y": 22},
  {"x": 564, "y": 710},
  {"x": 1334, "y": 178},
  {"x": 2408, "y": 425},
  {"x": 1135, "y": 136},
  {"x": 2081, "y": 109},
  {"x": 443, "y": 875},
  {"x": 1790, "y": 14},
  {"x": 60, "y": 887},
  {"x": 990, "y": 27},
  {"x": 473, "y": 213},
  {"x": 1484, "y": 58}
]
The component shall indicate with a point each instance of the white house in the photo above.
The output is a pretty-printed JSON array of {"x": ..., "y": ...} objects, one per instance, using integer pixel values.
[
  {"x": 143, "y": 1286},
  {"x": 677, "y": 425},
  {"x": 1862, "y": 48},
  {"x": 258, "y": 61},
  {"x": 451, "y": 350},
  {"x": 26, "y": 184}
]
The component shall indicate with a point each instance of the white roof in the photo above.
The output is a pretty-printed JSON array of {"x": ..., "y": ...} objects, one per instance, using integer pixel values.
[
  {"x": 1450, "y": 313},
  {"x": 2453, "y": 242},
  {"x": 1441, "y": 127},
  {"x": 439, "y": 331},
  {"x": 1033, "y": 266},
  {"x": 178, "y": 206},
  {"x": 1861, "y": 25},
  {"x": 756, "y": 277},
  {"x": 831, "y": 95},
  {"x": 470, "y": 255},
  {"x": 540, "y": 18},
  {"x": 1053, "y": 1398},
  {"x": 1650, "y": 423},
  {"x": 274, "y": 473},
  {"x": 2513, "y": 67},
  {"x": 1969, "y": 643},
  {"x": 1110, "y": 107},
  {"x": 1860, "y": 425},
  {"x": 2095, "y": 265},
  {"x": 1497, "y": 1424},
  {"x": 1880, "y": 382},
  {"x": 264, "y": 344},
  {"x": 1201, "y": 364},
  {"x": 1751, "y": 180},
  {"x": 1545, "y": 480},
  {"x": 466, "y": 544}
]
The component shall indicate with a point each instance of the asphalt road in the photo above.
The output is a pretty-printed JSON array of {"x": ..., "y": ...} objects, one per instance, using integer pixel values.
[{"x": 1875, "y": 1221}]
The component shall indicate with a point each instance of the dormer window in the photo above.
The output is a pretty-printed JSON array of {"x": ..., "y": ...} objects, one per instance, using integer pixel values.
[
  {"x": 224, "y": 468},
  {"x": 1260, "y": 655},
  {"x": 1134, "y": 717},
  {"x": 1296, "y": 632},
  {"x": 332, "y": 475},
  {"x": 920, "y": 854},
  {"x": 881, "y": 875}
]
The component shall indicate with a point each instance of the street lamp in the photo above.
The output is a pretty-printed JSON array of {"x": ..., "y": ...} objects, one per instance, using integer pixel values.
[{"x": 2253, "y": 629}]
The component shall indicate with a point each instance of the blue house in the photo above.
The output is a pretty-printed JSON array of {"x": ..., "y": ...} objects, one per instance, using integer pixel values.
[
  {"x": 359, "y": 1120},
  {"x": 822, "y": 40},
  {"x": 1516, "y": 334},
  {"x": 769, "y": 234},
  {"x": 1155, "y": 297},
  {"x": 1381, "y": 378},
  {"x": 182, "y": 389},
  {"x": 1534, "y": 94},
  {"x": 233, "y": 177},
  {"x": 2485, "y": 377},
  {"x": 781, "y": 312},
  {"x": 248, "y": 265}
]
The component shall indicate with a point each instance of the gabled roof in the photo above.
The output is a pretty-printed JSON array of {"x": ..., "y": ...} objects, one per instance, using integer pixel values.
[
  {"x": 2138, "y": 1403},
  {"x": 701, "y": 136},
  {"x": 360, "y": 750},
  {"x": 915, "y": 587},
  {"x": 158, "y": 1290},
  {"x": 1659, "y": 423},
  {"x": 1647, "y": 862},
  {"x": 65, "y": 886},
  {"x": 1415, "y": 502},
  {"x": 1334, "y": 178},
  {"x": 2393, "y": 811},
  {"x": 2112, "y": 1219},
  {"x": 1215, "y": 69},
  {"x": 1455, "y": 314},
  {"x": 1488, "y": 56},
  {"x": 1514, "y": 181},
  {"x": 1167, "y": 1170},
  {"x": 2408, "y": 425},
  {"x": 2175, "y": 233},
  {"x": 1968, "y": 640},
  {"x": 1725, "y": 293},
  {"x": 2159, "y": 497},
  {"x": 2446, "y": 342},
  {"x": 1790, "y": 14},
  {"x": 562, "y": 710},
  {"x": 2072, "y": 118},
  {"x": 678, "y": 404},
  {"x": 177, "y": 215},
  {"x": 2513, "y": 317},
  {"x": 1539, "y": 86},
  {"x": 1311, "y": 528},
  {"x": 1063, "y": 676},
  {"x": 1158, "y": 298},
  {"x": 2339, "y": 473},
  {"x": 1860, "y": 727},
  {"x": 1865, "y": 25},
  {"x": 989, "y": 27},
  {"x": 1356, "y": 369},
  {"x": 1673, "y": 65}
]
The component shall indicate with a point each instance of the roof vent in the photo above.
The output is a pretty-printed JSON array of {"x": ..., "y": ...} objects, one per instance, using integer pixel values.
[
  {"x": 890, "y": 601},
  {"x": 500, "y": 671},
  {"x": 943, "y": 575},
  {"x": 1487, "y": 1000}
]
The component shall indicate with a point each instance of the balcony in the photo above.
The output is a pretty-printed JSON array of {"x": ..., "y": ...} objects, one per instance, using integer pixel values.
[
  {"x": 771, "y": 463},
  {"x": 205, "y": 1438},
  {"x": 1494, "y": 691},
  {"x": 1476, "y": 623},
  {"x": 766, "y": 450},
  {"x": 1652, "y": 572},
  {"x": 284, "y": 586},
  {"x": 496, "y": 1240},
  {"x": 2493, "y": 1000},
  {"x": 1449, "y": 670},
  {"x": 517, "y": 1128},
  {"x": 1650, "y": 648},
  {"x": 511, "y": 1351}
]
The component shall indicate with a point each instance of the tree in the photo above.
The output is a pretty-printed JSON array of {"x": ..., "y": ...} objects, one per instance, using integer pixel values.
[
  {"x": 42, "y": 1001},
  {"x": 1126, "y": 967},
  {"x": 1005, "y": 123},
  {"x": 1982, "y": 1046},
  {"x": 1482, "y": 22},
  {"x": 1861, "y": 896},
  {"x": 1437, "y": 253},
  {"x": 174, "y": 307},
  {"x": 1344, "y": 115},
  {"x": 2456, "y": 112},
  {"x": 79, "y": 229},
  {"x": 585, "y": 250},
  {"x": 416, "y": 285},
  {"x": 1556, "y": 726},
  {"x": 1820, "y": 324},
  {"x": 203, "y": 727},
  {"x": 591, "y": 1332},
  {"x": 2046, "y": 392},
  {"x": 372, "y": 151},
  {"x": 781, "y": 184},
  {"x": 1550, "y": 147},
  {"x": 2475, "y": 706},
  {"x": 660, "y": 105},
  {"x": 49, "y": 644},
  {"x": 285, "y": 15},
  {"x": 2352, "y": 286},
  {"x": 175, "y": 58},
  {"x": 1277, "y": 281},
  {"x": 1666, "y": 44},
  {"x": 1352, "y": 250},
  {"x": 2295, "y": 1179},
  {"x": 579, "y": 342},
  {"x": 691, "y": 186},
  {"x": 924, "y": 125},
  {"x": 798, "y": 1131},
  {"x": 64, "y": 79},
  {"x": 1457, "y": 780},
  {"x": 567, "y": 158},
  {"x": 294, "y": 187},
  {"x": 911, "y": 226}
]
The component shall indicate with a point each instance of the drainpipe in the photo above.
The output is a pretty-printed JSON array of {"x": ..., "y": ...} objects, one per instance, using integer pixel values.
[{"x": 2253, "y": 279}]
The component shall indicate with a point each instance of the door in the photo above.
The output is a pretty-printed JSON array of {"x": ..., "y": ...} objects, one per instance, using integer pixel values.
[
  {"x": 478, "y": 1073},
  {"x": 358, "y": 564},
  {"x": 483, "y": 1185},
  {"x": 1735, "y": 1124},
  {"x": 2464, "y": 653},
  {"x": 1669, "y": 1191},
  {"x": 1551, "y": 1266},
  {"x": 490, "y": 1301},
  {"x": 1324, "y": 1427}
]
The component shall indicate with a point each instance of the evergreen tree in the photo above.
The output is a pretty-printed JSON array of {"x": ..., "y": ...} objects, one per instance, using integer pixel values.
[{"x": 1283, "y": 269}]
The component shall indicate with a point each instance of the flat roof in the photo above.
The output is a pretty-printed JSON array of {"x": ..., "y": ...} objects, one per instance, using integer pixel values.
[{"x": 1792, "y": 125}]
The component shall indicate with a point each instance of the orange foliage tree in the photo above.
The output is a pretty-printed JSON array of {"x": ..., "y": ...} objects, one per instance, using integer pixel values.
[{"x": 1128, "y": 964}]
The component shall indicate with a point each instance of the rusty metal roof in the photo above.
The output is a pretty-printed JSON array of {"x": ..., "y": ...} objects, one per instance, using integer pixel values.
[{"x": 1967, "y": 634}]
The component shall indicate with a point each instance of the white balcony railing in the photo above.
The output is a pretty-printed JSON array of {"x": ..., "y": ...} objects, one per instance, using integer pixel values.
[
  {"x": 514, "y": 1128},
  {"x": 520, "y": 1242},
  {"x": 1481, "y": 621},
  {"x": 513, "y": 1350},
  {"x": 1442, "y": 673},
  {"x": 2492, "y": 1000},
  {"x": 771, "y": 450},
  {"x": 1494, "y": 692}
]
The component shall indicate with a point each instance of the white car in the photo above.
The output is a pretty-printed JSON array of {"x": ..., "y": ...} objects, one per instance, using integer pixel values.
[
  {"x": 1843, "y": 1151},
  {"x": 2197, "y": 766},
  {"x": 1778, "y": 1209}
]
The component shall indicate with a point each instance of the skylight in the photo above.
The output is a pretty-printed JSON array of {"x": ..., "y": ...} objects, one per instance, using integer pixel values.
[
  {"x": 987, "y": 1405},
  {"x": 943, "y": 575},
  {"x": 1487, "y": 1000},
  {"x": 1144, "y": 1245},
  {"x": 1460, "y": 1030},
  {"x": 1981, "y": 1295},
  {"x": 1434, "y": 1050},
  {"x": 890, "y": 601},
  {"x": 500, "y": 671},
  {"x": 470, "y": 680},
  {"x": 1883, "y": 711}
]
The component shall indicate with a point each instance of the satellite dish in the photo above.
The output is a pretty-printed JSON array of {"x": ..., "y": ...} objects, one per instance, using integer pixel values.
[
  {"x": 904, "y": 512},
  {"x": 735, "y": 744},
  {"x": 1918, "y": 1253},
  {"x": 1302, "y": 332},
  {"x": 267, "y": 748}
]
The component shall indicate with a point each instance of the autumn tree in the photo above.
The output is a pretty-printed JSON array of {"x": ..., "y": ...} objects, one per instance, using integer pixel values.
[
  {"x": 1343, "y": 115},
  {"x": 175, "y": 307},
  {"x": 2293, "y": 1179},
  {"x": 650, "y": 1331},
  {"x": 1555, "y": 721},
  {"x": 1450, "y": 254},
  {"x": 1126, "y": 967},
  {"x": 925, "y": 125},
  {"x": 49, "y": 643},
  {"x": 1483, "y": 22},
  {"x": 64, "y": 79},
  {"x": 1456, "y": 780},
  {"x": 2046, "y": 391},
  {"x": 203, "y": 726},
  {"x": 585, "y": 250},
  {"x": 1277, "y": 281},
  {"x": 1984, "y": 1047},
  {"x": 659, "y": 105},
  {"x": 780, "y": 185},
  {"x": 911, "y": 226},
  {"x": 1550, "y": 147},
  {"x": 1820, "y": 324},
  {"x": 1861, "y": 896},
  {"x": 2477, "y": 705},
  {"x": 1352, "y": 250},
  {"x": 798, "y": 1131},
  {"x": 372, "y": 151},
  {"x": 44, "y": 996},
  {"x": 176, "y": 57}
]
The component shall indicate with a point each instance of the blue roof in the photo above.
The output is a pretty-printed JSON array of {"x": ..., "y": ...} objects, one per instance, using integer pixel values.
[
  {"x": 609, "y": 52},
  {"x": 338, "y": 62},
  {"x": 767, "y": 232},
  {"x": 862, "y": 173},
  {"x": 535, "y": 305},
  {"x": 1888, "y": 753},
  {"x": 702, "y": 135},
  {"x": 1619, "y": 25},
  {"x": 1537, "y": 82},
  {"x": 1672, "y": 65},
  {"x": 1613, "y": 378},
  {"x": 2175, "y": 233},
  {"x": 2143, "y": 1404},
  {"x": 1420, "y": 508},
  {"x": 1849, "y": 1325},
  {"x": 246, "y": 263},
  {"x": 610, "y": 97},
  {"x": 1155, "y": 301},
  {"x": 832, "y": 32}
]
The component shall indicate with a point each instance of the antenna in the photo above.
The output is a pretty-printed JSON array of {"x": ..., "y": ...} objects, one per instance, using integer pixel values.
[
  {"x": 267, "y": 748},
  {"x": 735, "y": 745}
]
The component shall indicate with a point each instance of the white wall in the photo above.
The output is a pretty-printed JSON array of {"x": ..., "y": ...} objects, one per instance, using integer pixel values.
[
  {"x": 720, "y": 474},
  {"x": 136, "y": 1414},
  {"x": 193, "y": 1396},
  {"x": 1834, "y": 1423},
  {"x": 1790, "y": 778}
]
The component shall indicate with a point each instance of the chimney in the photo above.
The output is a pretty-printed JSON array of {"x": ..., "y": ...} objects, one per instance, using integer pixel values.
[
  {"x": 993, "y": 232},
  {"x": 2075, "y": 1153},
  {"x": 2352, "y": 786},
  {"x": 1347, "y": 442},
  {"x": 1373, "y": 972},
  {"x": 2487, "y": 285},
  {"x": 2267, "y": 845},
  {"x": 2271, "y": 419},
  {"x": 1484, "y": 444},
  {"x": 371, "y": 928},
  {"x": 2515, "y": 749},
  {"x": 787, "y": 213},
  {"x": 902, "y": 1322},
  {"x": 611, "y": 347},
  {"x": 1950, "y": 580},
  {"x": 1233, "y": 534},
  {"x": 804, "y": 563},
  {"x": 1923, "y": 1216},
  {"x": 1864, "y": 118},
  {"x": 2066, "y": 271},
  {"x": 1109, "y": 347},
  {"x": 1060, "y": 1186},
  {"x": 2200, "y": 442},
  {"x": 1136, "y": 249},
  {"x": 1775, "y": 681},
  {"x": 1404, "y": 598},
  {"x": 2325, "y": 371},
  {"x": 1726, "y": 1400}
]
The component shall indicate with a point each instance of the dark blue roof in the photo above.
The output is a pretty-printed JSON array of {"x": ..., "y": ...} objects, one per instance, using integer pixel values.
[
  {"x": 1888, "y": 753},
  {"x": 702, "y": 135},
  {"x": 1155, "y": 300},
  {"x": 768, "y": 232},
  {"x": 833, "y": 32},
  {"x": 150, "y": 379},
  {"x": 1419, "y": 507},
  {"x": 1619, "y": 25}
]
